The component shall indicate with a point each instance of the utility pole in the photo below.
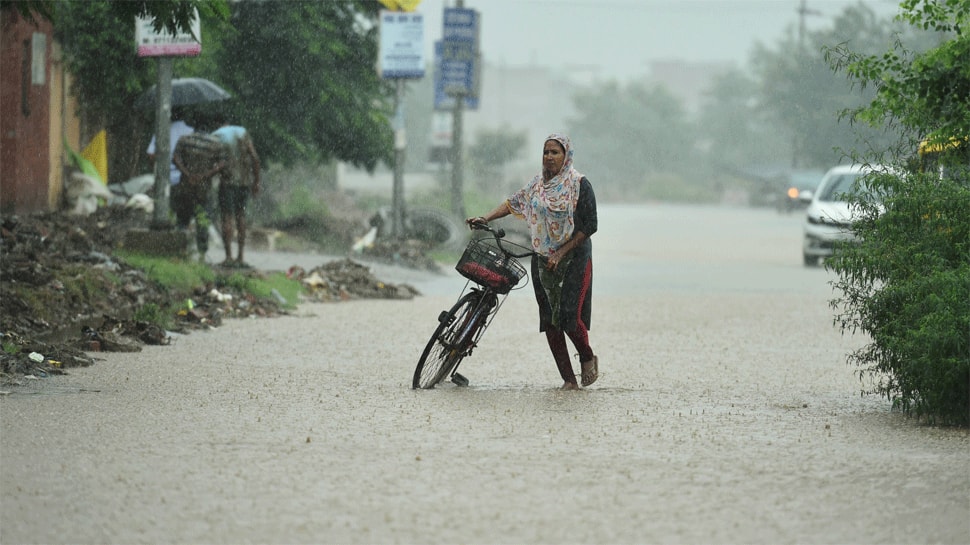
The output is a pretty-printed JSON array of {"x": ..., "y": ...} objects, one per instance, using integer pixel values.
[
  {"x": 803, "y": 12},
  {"x": 457, "y": 163},
  {"x": 400, "y": 143},
  {"x": 400, "y": 57},
  {"x": 163, "y": 144}
]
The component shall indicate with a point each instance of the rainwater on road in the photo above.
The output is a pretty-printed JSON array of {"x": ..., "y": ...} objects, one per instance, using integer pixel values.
[{"x": 725, "y": 412}]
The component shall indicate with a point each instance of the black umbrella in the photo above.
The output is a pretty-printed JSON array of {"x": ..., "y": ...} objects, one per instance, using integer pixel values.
[{"x": 185, "y": 92}]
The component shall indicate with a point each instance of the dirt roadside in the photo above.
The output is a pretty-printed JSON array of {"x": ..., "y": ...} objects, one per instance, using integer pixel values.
[{"x": 65, "y": 293}]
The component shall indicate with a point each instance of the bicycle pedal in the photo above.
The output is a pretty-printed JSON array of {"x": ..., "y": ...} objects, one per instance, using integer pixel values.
[{"x": 459, "y": 379}]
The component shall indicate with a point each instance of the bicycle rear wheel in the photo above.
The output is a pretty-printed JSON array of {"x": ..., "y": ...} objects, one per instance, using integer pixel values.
[{"x": 447, "y": 345}]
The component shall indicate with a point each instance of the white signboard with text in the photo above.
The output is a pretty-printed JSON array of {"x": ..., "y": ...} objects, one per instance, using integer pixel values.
[
  {"x": 401, "y": 45},
  {"x": 163, "y": 43}
]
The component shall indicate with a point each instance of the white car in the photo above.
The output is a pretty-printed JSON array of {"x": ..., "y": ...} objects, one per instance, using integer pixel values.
[{"x": 829, "y": 216}]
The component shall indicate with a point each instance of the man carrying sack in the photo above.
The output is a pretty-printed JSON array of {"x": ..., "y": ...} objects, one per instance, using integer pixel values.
[{"x": 199, "y": 156}]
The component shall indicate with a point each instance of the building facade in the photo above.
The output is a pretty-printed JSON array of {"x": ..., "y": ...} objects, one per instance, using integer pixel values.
[{"x": 37, "y": 116}]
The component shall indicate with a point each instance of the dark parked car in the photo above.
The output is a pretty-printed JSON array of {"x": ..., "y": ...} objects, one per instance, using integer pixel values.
[{"x": 798, "y": 192}]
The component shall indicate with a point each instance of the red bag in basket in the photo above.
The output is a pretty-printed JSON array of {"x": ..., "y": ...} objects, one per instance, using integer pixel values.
[{"x": 482, "y": 275}]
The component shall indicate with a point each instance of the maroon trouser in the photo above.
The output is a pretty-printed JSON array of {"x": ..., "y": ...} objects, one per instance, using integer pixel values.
[{"x": 579, "y": 336}]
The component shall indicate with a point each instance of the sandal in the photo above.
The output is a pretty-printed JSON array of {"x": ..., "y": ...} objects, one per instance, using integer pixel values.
[{"x": 590, "y": 371}]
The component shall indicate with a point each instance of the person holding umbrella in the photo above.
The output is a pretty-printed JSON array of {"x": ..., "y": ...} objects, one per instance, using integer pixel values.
[
  {"x": 184, "y": 201},
  {"x": 178, "y": 129}
]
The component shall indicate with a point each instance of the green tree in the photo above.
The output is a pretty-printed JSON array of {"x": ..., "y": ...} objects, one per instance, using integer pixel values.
[
  {"x": 304, "y": 80},
  {"x": 631, "y": 135},
  {"x": 495, "y": 148},
  {"x": 906, "y": 284},
  {"x": 31, "y": 10},
  {"x": 301, "y": 73},
  {"x": 734, "y": 128},
  {"x": 805, "y": 96},
  {"x": 98, "y": 39}
]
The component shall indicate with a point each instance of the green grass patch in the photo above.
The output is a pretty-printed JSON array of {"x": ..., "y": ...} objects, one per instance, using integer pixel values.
[
  {"x": 263, "y": 287},
  {"x": 154, "y": 314},
  {"x": 11, "y": 348},
  {"x": 183, "y": 276},
  {"x": 303, "y": 203},
  {"x": 81, "y": 284},
  {"x": 175, "y": 274},
  {"x": 474, "y": 200}
]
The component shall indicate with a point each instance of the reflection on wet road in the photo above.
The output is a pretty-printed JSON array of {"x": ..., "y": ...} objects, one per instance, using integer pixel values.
[{"x": 724, "y": 413}]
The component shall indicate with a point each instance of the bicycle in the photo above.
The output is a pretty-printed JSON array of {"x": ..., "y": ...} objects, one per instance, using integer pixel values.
[{"x": 492, "y": 271}]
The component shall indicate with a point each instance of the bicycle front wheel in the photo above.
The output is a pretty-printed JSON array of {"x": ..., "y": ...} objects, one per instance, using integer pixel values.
[{"x": 447, "y": 345}]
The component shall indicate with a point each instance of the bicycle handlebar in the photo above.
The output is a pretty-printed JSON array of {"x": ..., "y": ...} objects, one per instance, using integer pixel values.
[{"x": 498, "y": 234}]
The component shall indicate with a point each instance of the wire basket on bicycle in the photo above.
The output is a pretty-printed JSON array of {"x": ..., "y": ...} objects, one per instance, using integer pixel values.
[{"x": 485, "y": 264}]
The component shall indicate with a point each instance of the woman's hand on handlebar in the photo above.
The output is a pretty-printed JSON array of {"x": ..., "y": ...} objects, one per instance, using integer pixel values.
[{"x": 477, "y": 222}]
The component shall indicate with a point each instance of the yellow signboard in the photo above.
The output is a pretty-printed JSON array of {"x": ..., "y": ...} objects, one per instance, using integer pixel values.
[{"x": 400, "y": 5}]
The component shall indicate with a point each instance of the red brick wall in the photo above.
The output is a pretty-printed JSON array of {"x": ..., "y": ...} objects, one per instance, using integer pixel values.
[{"x": 24, "y": 115}]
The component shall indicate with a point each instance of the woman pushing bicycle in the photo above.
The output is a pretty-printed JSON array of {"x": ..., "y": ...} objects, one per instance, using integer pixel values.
[{"x": 560, "y": 209}]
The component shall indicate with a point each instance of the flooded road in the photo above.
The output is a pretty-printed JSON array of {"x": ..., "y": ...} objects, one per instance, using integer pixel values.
[{"x": 725, "y": 412}]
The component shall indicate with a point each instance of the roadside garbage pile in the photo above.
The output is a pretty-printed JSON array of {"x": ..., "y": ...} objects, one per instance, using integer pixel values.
[
  {"x": 56, "y": 275},
  {"x": 406, "y": 253},
  {"x": 345, "y": 280},
  {"x": 63, "y": 295},
  {"x": 425, "y": 229}
]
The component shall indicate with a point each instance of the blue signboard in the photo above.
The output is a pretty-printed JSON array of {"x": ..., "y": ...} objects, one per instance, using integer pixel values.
[
  {"x": 459, "y": 52},
  {"x": 446, "y": 74},
  {"x": 461, "y": 25}
]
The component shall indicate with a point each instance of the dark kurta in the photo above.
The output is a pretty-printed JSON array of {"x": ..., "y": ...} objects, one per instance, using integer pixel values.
[{"x": 585, "y": 221}]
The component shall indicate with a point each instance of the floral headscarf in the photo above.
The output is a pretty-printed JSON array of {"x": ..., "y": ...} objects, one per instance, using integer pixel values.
[{"x": 548, "y": 206}]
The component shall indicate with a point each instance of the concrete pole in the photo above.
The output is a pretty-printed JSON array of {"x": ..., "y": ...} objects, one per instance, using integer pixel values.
[
  {"x": 457, "y": 161},
  {"x": 457, "y": 164},
  {"x": 400, "y": 143},
  {"x": 163, "y": 124},
  {"x": 803, "y": 11}
]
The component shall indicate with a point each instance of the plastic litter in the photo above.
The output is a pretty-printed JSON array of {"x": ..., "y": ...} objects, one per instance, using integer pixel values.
[
  {"x": 278, "y": 296},
  {"x": 219, "y": 296},
  {"x": 366, "y": 241},
  {"x": 315, "y": 280}
]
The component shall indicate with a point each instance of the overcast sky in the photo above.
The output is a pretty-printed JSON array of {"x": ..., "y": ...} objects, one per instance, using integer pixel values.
[{"x": 618, "y": 38}]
